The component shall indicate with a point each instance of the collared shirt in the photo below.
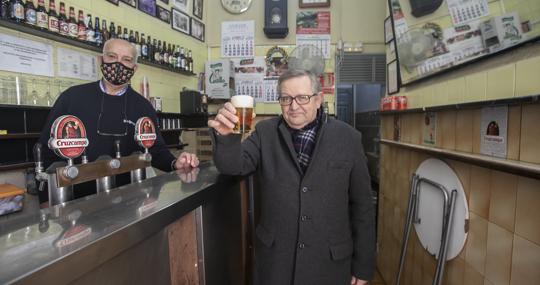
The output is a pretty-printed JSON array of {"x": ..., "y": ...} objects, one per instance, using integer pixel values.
[{"x": 119, "y": 93}]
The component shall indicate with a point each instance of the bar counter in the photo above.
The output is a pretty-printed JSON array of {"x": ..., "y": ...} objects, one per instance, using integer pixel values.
[{"x": 127, "y": 235}]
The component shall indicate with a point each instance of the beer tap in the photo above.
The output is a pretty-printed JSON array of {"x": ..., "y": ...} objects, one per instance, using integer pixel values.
[
  {"x": 145, "y": 136},
  {"x": 40, "y": 175},
  {"x": 106, "y": 183}
]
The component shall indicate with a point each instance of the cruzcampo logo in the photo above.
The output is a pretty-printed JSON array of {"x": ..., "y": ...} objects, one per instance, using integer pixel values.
[{"x": 68, "y": 137}]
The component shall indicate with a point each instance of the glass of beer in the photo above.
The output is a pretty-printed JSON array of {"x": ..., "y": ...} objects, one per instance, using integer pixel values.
[{"x": 244, "y": 111}]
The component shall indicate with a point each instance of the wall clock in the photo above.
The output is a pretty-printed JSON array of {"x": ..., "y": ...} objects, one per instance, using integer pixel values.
[{"x": 236, "y": 6}]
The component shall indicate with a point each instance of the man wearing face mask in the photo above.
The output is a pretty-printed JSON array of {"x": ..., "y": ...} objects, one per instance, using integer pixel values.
[{"x": 109, "y": 109}]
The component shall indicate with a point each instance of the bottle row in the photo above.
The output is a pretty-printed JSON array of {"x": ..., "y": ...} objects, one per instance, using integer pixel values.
[{"x": 96, "y": 33}]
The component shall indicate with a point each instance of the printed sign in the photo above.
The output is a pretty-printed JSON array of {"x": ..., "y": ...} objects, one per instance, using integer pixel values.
[
  {"x": 145, "y": 132},
  {"x": 68, "y": 137}
]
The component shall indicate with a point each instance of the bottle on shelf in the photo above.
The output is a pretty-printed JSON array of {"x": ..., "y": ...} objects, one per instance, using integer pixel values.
[
  {"x": 105, "y": 34},
  {"x": 90, "y": 33},
  {"x": 131, "y": 37},
  {"x": 81, "y": 27},
  {"x": 138, "y": 44},
  {"x": 17, "y": 11},
  {"x": 190, "y": 62},
  {"x": 172, "y": 57},
  {"x": 30, "y": 13},
  {"x": 178, "y": 59},
  {"x": 170, "y": 53},
  {"x": 144, "y": 47},
  {"x": 119, "y": 32},
  {"x": 125, "y": 34},
  {"x": 4, "y": 9},
  {"x": 54, "y": 25},
  {"x": 157, "y": 50},
  {"x": 182, "y": 59},
  {"x": 42, "y": 18},
  {"x": 98, "y": 36},
  {"x": 164, "y": 54},
  {"x": 63, "y": 20},
  {"x": 112, "y": 31},
  {"x": 150, "y": 56},
  {"x": 72, "y": 24}
]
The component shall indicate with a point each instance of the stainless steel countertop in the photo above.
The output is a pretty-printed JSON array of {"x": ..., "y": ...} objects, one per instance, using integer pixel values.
[{"x": 90, "y": 230}]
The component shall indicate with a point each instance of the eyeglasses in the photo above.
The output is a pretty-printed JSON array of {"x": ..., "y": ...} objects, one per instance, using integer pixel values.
[{"x": 300, "y": 99}]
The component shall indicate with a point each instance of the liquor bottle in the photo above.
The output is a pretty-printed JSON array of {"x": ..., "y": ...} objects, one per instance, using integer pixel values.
[
  {"x": 131, "y": 37},
  {"x": 138, "y": 44},
  {"x": 17, "y": 11},
  {"x": 63, "y": 21},
  {"x": 170, "y": 52},
  {"x": 190, "y": 62},
  {"x": 144, "y": 47},
  {"x": 105, "y": 34},
  {"x": 164, "y": 54},
  {"x": 4, "y": 9},
  {"x": 112, "y": 31},
  {"x": 182, "y": 59},
  {"x": 90, "y": 33},
  {"x": 72, "y": 23},
  {"x": 54, "y": 25},
  {"x": 178, "y": 59},
  {"x": 30, "y": 13},
  {"x": 125, "y": 34},
  {"x": 81, "y": 27},
  {"x": 150, "y": 48},
  {"x": 42, "y": 18},
  {"x": 172, "y": 57},
  {"x": 98, "y": 36},
  {"x": 119, "y": 32},
  {"x": 157, "y": 51}
]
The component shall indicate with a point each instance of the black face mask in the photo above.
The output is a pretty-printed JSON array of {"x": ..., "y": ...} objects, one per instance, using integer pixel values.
[{"x": 116, "y": 73}]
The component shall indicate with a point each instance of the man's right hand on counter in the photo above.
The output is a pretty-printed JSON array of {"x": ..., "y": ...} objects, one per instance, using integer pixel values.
[{"x": 225, "y": 119}]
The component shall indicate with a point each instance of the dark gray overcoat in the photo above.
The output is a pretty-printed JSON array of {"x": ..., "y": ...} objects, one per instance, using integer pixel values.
[{"x": 316, "y": 228}]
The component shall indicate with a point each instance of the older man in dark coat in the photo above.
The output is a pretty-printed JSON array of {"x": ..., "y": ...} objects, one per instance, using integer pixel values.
[{"x": 317, "y": 217}]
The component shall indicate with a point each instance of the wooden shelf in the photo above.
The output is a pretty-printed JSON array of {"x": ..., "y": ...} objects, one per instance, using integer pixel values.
[
  {"x": 27, "y": 29},
  {"x": 512, "y": 166},
  {"x": 20, "y": 136}
]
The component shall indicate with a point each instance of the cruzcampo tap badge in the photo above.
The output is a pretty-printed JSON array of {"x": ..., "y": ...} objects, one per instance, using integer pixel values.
[
  {"x": 145, "y": 132},
  {"x": 68, "y": 137}
]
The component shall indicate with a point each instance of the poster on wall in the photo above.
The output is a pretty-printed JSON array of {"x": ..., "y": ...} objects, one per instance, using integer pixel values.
[
  {"x": 77, "y": 65},
  {"x": 249, "y": 75},
  {"x": 429, "y": 129},
  {"x": 464, "y": 42},
  {"x": 238, "y": 39},
  {"x": 313, "y": 28},
  {"x": 463, "y": 11},
  {"x": 493, "y": 131},
  {"x": 25, "y": 56}
]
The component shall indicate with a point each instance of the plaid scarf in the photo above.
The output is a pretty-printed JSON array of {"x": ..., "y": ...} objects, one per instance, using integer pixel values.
[{"x": 304, "y": 141}]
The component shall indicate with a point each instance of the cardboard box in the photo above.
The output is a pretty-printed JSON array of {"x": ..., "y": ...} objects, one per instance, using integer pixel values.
[{"x": 11, "y": 199}]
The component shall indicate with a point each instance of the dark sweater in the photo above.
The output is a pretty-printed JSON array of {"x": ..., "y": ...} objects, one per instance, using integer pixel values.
[{"x": 85, "y": 101}]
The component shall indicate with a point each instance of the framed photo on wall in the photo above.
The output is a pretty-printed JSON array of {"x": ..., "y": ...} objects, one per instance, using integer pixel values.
[
  {"x": 180, "y": 21},
  {"x": 163, "y": 14},
  {"x": 198, "y": 8},
  {"x": 313, "y": 3},
  {"x": 197, "y": 29},
  {"x": 165, "y": 1},
  {"x": 388, "y": 30},
  {"x": 181, "y": 4},
  {"x": 131, "y": 3},
  {"x": 115, "y": 2},
  {"x": 148, "y": 6},
  {"x": 392, "y": 77}
]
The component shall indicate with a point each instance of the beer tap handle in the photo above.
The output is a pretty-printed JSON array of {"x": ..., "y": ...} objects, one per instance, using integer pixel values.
[
  {"x": 84, "y": 158},
  {"x": 117, "y": 148},
  {"x": 37, "y": 157}
]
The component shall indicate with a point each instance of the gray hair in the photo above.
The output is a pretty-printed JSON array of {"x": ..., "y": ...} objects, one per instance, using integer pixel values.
[
  {"x": 294, "y": 73},
  {"x": 111, "y": 41}
]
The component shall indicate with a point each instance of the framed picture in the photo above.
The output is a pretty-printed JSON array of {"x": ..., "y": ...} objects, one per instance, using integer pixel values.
[
  {"x": 131, "y": 3},
  {"x": 388, "y": 31},
  {"x": 165, "y": 1},
  {"x": 148, "y": 6},
  {"x": 115, "y": 2},
  {"x": 197, "y": 29},
  {"x": 182, "y": 5},
  {"x": 313, "y": 3},
  {"x": 198, "y": 8},
  {"x": 163, "y": 14},
  {"x": 180, "y": 21},
  {"x": 392, "y": 77}
]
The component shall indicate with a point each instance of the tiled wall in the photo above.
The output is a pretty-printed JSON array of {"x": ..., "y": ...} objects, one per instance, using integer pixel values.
[{"x": 503, "y": 245}]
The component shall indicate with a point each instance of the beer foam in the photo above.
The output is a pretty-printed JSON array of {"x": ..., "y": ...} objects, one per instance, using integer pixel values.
[{"x": 242, "y": 101}]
